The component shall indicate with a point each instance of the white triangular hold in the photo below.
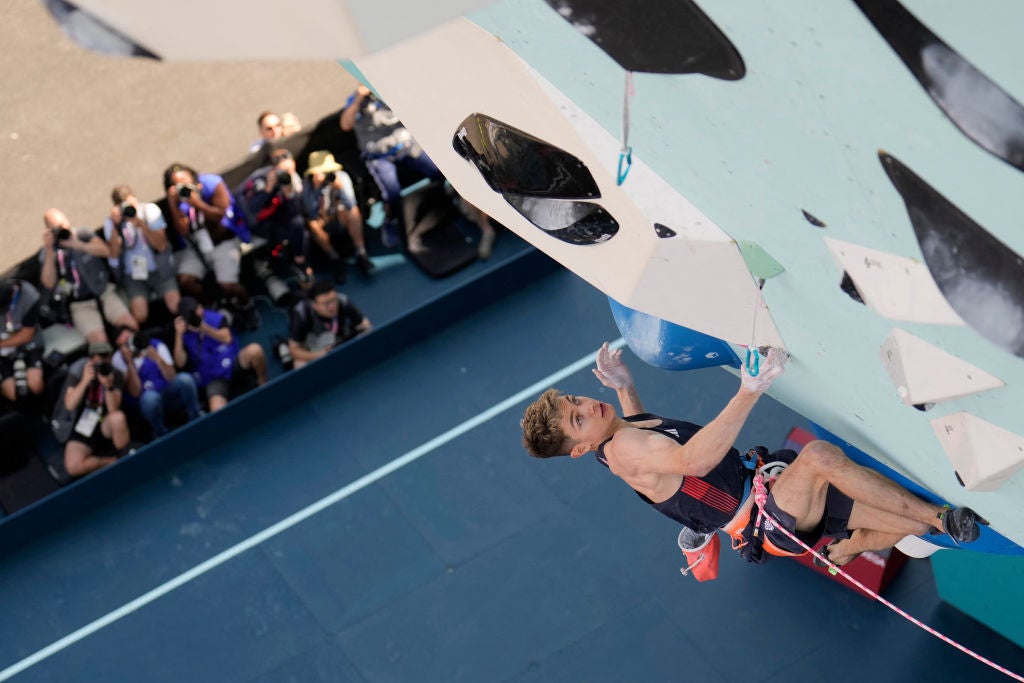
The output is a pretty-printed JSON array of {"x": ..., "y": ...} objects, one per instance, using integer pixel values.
[
  {"x": 923, "y": 373},
  {"x": 983, "y": 455},
  {"x": 915, "y": 546},
  {"x": 895, "y": 287}
]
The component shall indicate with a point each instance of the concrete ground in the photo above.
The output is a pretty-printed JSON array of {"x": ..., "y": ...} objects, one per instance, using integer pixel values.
[{"x": 73, "y": 124}]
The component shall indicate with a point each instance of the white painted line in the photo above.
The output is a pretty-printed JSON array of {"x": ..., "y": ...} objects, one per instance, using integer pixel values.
[{"x": 301, "y": 515}]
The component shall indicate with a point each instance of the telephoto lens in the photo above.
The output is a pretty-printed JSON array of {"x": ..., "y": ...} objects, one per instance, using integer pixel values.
[
  {"x": 330, "y": 177},
  {"x": 129, "y": 210},
  {"x": 104, "y": 368},
  {"x": 185, "y": 191},
  {"x": 194, "y": 320},
  {"x": 283, "y": 177},
  {"x": 21, "y": 377},
  {"x": 61, "y": 234}
]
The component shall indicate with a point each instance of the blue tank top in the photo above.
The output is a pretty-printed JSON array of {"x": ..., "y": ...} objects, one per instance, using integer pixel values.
[{"x": 702, "y": 503}]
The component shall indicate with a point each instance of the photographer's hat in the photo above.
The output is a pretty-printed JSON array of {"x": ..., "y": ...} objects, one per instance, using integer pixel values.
[
  {"x": 322, "y": 161},
  {"x": 100, "y": 348}
]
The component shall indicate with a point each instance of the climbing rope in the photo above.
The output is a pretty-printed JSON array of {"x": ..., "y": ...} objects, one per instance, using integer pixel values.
[{"x": 761, "y": 497}]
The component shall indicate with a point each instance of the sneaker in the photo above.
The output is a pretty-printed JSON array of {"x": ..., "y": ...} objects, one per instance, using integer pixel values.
[
  {"x": 962, "y": 524},
  {"x": 364, "y": 264}
]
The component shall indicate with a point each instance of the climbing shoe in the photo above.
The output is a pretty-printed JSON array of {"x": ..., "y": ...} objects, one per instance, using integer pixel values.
[{"x": 962, "y": 524}]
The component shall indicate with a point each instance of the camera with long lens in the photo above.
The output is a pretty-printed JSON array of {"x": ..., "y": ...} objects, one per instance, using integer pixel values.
[
  {"x": 185, "y": 190},
  {"x": 277, "y": 288},
  {"x": 128, "y": 210},
  {"x": 104, "y": 368},
  {"x": 61, "y": 234},
  {"x": 20, "y": 376},
  {"x": 282, "y": 177},
  {"x": 138, "y": 342},
  {"x": 330, "y": 177},
  {"x": 193, "y": 319}
]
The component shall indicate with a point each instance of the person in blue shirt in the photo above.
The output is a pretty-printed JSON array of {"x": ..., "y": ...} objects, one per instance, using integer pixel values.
[
  {"x": 154, "y": 383},
  {"x": 205, "y": 347}
]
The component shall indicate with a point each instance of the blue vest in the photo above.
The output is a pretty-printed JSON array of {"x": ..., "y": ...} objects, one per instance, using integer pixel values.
[
  {"x": 149, "y": 374},
  {"x": 208, "y": 359}
]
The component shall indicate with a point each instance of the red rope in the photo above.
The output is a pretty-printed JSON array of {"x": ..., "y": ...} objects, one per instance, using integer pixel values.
[{"x": 761, "y": 496}]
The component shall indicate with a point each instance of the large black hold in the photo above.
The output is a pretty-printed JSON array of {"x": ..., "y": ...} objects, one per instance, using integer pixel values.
[
  {"x": 982, "y": 110},
  {"x": 655, "y": 36},
  {"x": 980, "y": 277}
]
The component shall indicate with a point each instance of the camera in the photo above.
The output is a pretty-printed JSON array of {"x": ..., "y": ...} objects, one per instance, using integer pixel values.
[
  {"x": 129, "y": 210},
  {"x": 104, "y": 368},
  {"x": 185, "y": 190},
  {"x": 61, "y": 234},
  {"x": 138, "y": 342},
  {"x": 56, "y": 309},
  {"x": 282, "y": 177},
  {"x": 20, "y": 376},
  {"x": 329, "y": 178},
  {"x": 193, "y": 320}
]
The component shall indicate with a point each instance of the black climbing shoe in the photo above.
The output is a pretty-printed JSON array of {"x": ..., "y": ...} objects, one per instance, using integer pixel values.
[{"x": 962, "y": 524}]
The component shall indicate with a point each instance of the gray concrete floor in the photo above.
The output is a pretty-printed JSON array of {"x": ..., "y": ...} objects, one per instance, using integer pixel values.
[{"x": 73, "y": 124}]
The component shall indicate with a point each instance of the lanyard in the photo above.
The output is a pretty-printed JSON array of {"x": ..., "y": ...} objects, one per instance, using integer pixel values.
[
  {"x": 65, "y": 267},
  {"x": 10, "y": 309}
]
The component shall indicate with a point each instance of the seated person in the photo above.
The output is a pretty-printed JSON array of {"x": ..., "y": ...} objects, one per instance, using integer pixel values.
[
  {"x": 77, "y": 280},
  {"x": 88, "y": 417},
  {"x": 695, "y": 476},
  {"x": 141, "y": 258},
  {"x": 209, "y": 233},
  {"x": 154, "y": 383},
  {"x": 272, "y": 199},
  {"x": 21, "y": 344},
  {"x": 385, "y": 145},
  {"x": 205, "y": 347},
  {"x": 329, "y": 205},
  {"x": 322, "y": 321}
]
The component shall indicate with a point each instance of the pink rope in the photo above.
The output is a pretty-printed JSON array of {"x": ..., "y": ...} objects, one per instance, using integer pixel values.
[{"x": 761, "y": 497}]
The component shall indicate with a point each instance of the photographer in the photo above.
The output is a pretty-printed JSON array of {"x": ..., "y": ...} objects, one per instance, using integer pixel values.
[
  {"x": 141, "y": 259},
  {"x": 21, "y": 344},
  {"x": 318, "y": 324},
  {"x": 272, "y": 200},
  {"x": 329, "y": 205},
  {"x": 77, "y": 279},
  {"x": 154, "y": 383},
  {"x": 210, "y": 231},
  {"x": 205, "y": 347},
  {"x": 88, "y": 418},
  {"x": 386, "y": 145}
]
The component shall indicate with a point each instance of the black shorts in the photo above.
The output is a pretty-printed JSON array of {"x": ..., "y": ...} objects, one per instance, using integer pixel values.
[
  {"x": 834, "y": 522},
  {"x": 97, "y": 443},
  {"x": 33, "y": 359}
]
